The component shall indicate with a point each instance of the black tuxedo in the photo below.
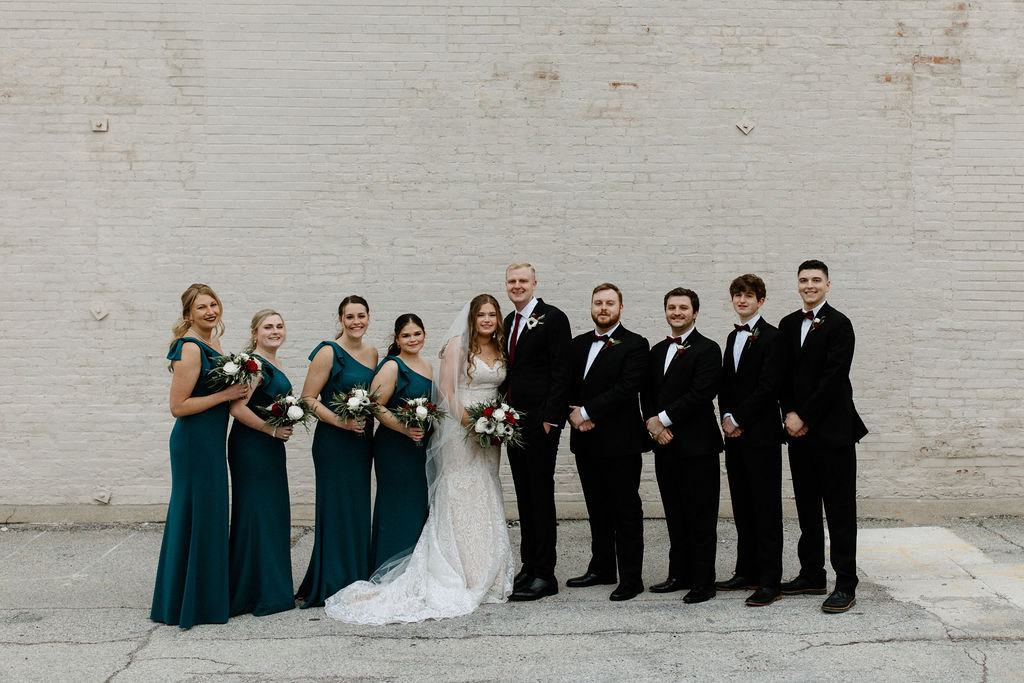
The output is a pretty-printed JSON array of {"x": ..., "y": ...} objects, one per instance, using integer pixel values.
[
  {"x": 608, "y": 457},
  {"x": 753, "y": 460},
  {"x": 537, "y": 384},
  {"x": 816, "y": 386},
  {"x": 687, "y": 468}
]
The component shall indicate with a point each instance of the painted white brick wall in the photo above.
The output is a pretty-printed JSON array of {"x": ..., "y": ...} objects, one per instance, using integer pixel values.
[{"x": 292, "y": 153}]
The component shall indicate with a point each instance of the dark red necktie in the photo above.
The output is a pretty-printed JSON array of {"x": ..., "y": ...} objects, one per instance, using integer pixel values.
[
  {"x": 512, "y": 340},
  {"x": 744, "y": 327}
]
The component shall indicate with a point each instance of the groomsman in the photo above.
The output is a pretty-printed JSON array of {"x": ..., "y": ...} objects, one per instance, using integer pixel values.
[
  {"x": 678, "y": 405},
  {"x": 822, "y": 426},
  {"x": 537, "y": 383},
  {"x": 608, "y": 440},
  {"x": 749, "y": 406}
]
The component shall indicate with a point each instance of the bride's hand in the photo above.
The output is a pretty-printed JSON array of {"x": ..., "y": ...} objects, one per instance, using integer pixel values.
[{"x": 415, "y": 433}]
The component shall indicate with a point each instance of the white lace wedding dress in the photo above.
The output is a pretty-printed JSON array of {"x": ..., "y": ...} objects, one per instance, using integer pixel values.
[{"x": 463, "y": 557}]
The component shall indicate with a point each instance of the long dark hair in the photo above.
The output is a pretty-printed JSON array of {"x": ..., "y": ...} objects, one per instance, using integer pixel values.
[
  {"x": 401, "y": 321},
  {"x": 498, "y": 335}
]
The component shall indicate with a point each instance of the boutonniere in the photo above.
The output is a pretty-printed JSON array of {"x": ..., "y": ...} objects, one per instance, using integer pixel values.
[
  {"x": 754, "y": 335},
  {"x": 612, "y": 342},
  {"x": 534, "y": 320},
  {"x": 681, "y": 348},
  {"x": 816, "y": 323}
]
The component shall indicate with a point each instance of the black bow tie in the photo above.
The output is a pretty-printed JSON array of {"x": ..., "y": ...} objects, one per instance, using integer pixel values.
[
  {"x": 744, "y": 327},
  {"x": 675, "y": 340},
  {"x": 808, "y": 314},
  {"x": 600, "y": 338}
]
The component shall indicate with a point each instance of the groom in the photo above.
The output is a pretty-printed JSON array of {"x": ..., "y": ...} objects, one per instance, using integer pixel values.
[{"x": 537, "y": 383}]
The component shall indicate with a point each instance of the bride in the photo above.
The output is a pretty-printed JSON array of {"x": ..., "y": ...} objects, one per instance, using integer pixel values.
[{"x": 463, "y": 556}]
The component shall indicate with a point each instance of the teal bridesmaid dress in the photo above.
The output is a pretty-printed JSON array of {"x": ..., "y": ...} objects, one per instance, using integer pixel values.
[
  {"x": 259, "y": 550},
  {"x": 192, "y": 573},
  {"x": 341, "y": 460},
  {"x": 400, "y": 508}
]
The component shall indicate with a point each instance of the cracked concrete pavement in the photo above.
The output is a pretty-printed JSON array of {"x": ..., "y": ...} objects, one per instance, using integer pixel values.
[{"x": 935, "y": 603}]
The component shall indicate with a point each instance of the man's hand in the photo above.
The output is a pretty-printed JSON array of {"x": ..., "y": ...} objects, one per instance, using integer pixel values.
[
  {"x": 795, "y": 427},
  {"x": 654, "y": 426},
  {"x": 729, "y": 427},
  {"x": 576, "y": 418},
  {"x": 665, "y": 437}
]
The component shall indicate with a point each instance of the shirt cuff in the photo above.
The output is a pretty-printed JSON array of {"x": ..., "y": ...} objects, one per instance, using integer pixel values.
[
  {"x": 583, "y": 412},
  {"x": 663, "y": 416},
  {"x": 733, "y": 419}
]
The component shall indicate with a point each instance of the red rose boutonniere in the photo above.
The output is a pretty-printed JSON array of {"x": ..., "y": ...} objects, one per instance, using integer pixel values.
[
  {"x": 534, "y": 320},
  {"x": 816, "y": 323},
  {"x": 754, "y": 335},
  {"x": 681, "y": 348},
  {"x": 612, "y": 342}
]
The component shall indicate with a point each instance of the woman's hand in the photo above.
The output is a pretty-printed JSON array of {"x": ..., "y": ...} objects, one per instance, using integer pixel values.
[
  {"x": 283, "y": 433},
  {"x": 234, "y": 392},
  {"x": 415, "y": 433},
  {"x": 357, "y": 425}
]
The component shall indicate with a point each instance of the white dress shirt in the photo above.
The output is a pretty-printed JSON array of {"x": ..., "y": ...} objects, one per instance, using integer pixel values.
[
  {"x": 525, "y": 313},
  {"x": 805, "y": 326},
  {"x": 595, "y": 348},
  {"x": 737, "y": 352},
  {"x": 671, "y": 353}
]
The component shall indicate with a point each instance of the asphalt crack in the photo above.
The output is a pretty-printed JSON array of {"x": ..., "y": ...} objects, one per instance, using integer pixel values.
[
  {"x": 981, "y": 659},
  {"x": 1000, "y": 535},
  {"x": 134, "y": 653}
]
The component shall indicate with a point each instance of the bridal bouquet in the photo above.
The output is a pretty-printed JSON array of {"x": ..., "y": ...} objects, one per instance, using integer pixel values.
[
  {"x": 494, "y": 423},
  {"x": 418, "y": 412},
  {"x": 234, "y": 368},
  {"x": 286, "y": 411},
  {"x": 358, "y": 403}
]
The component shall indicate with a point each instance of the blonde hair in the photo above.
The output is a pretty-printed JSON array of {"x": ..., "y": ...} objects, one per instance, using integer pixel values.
[
  {"x": 519, "y": 264},
  {"x": 254, "y": 326},
  {"x": 188, "y": 297}
]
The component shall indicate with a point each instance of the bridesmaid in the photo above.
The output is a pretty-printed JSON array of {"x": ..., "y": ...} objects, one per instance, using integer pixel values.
[
  {"x": 192, "y": 573},
  {"x": 259, "y": 550},
  {"x": 400, "y": 508},
  {"x": 342, "y": 458}
]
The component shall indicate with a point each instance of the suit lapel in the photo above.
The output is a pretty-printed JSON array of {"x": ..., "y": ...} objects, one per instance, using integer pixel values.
[
  {"x": 748, "y": 344},
  {"x": 812, "y": 332},
  {"x": 603, "y": 353}
]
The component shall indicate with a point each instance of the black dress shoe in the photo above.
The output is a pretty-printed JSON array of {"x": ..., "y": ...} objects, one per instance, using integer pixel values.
[
  {"x": 625, "y": 592},
  {"x": 701, "y": 594},
  {"x": 802, "y": 586},
  {"x": 838, "y": 602},
  {"x": 522, "y": 578},
  {"x": 535, "y": 590},
  {"x": 764, "y": 596},
  {"x": 736, "y": 583},
  {"x": 590, "y": 579},
  {"x": 669, "y": 585}
]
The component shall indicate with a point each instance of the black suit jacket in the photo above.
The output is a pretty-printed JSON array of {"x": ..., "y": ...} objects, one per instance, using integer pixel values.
[
  {"x": 750, "y": 392},
  {"x": 538, "y": 378},
  {"x": 609, "y": 394},
  {"x": 816, "y": 378},
  {"x": 686, "y": 393}
]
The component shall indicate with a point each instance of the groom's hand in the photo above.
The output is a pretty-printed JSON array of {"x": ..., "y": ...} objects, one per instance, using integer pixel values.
[{"x": 576, "y": 418}]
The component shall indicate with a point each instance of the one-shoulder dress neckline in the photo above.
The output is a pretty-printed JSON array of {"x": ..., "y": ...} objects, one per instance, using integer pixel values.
[{"x": 355, "y": 360}]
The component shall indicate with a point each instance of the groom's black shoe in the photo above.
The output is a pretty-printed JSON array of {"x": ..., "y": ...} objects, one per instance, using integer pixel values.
[
  {"x": 522, "y": 578},
  {"x": 669, "y": 585},
  {"x": 590, "y": 579},
  {"x": 700, "y": 594},
  {"x": 736, "y": 583},
  {"x": 625, "y": 591},
  {"x": 535, "y": 590}
]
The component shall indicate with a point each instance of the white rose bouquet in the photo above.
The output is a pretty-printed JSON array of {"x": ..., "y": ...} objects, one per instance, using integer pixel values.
[
  {"x": 494, "y": 422},
  {"x": 358, "y": 403},
  {"x": 286, "y": 411},
  {"x": 234, "y": 368},
  {"x": 418, "y": 412}
]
